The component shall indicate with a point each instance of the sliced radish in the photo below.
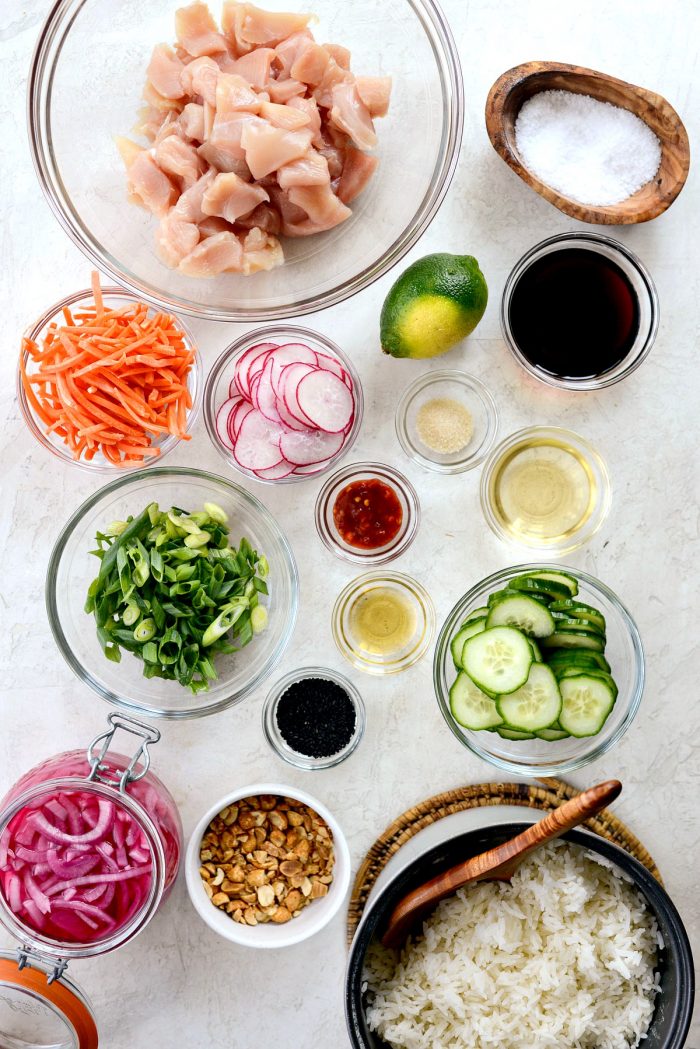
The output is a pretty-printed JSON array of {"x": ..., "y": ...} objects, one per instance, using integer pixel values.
[
  {"x": 246, "y": 359},
  {"x": 257, "y": 446},
  {"x": 289, "y": 420},
  {"x": 234, "y": 389},
  {"x": 288, "y": 383},
  {"x": 311, "y": 469},
  {"x": 275, "y": 473},
  {"x": 222, "y": 418},
  {"x": 235, "y": 419},
  {"x": 254, "y": 383},
  {"x": 325, "y": 400},
  {"x": 314, "y": 446},
  {"x": 265, "y": 394},
  {"x": 289, "y": 353},
  {"x": 331, "y": 364}
]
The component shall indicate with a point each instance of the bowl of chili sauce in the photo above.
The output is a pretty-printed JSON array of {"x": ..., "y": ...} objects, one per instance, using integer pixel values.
[{"x": 367, "y": 513}]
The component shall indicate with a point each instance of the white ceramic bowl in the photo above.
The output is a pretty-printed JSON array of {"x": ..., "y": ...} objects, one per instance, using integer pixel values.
[{"x": 311, "y": 920}]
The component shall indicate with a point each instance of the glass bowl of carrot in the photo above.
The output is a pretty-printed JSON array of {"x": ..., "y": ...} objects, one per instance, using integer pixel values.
[{"x": 107, "y": 382}]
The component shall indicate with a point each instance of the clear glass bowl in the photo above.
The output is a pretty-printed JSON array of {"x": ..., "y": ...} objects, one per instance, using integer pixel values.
[
  {"x": 72, "y": 134},
  {"x": 590, "y": 468},
  {"x": 468, "y": 391},
  {"x": 405, "y": 493},
  {"x": 641, "y": 282},
  {"x": 71, "y": 569},
  {"x": 356, "y": 650},
  {"x": 216, "y": 391},
  {"x": 277, "y": 741},
  {"x": 115, "y": 298},
  {"x": 536, "y": 757}
]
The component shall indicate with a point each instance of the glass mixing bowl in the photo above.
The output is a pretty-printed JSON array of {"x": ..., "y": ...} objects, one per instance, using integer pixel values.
[
  {"x": 71, "y": 570},
  {"x": 85, "y": 88},
  {"x": 535, "y": 757}
]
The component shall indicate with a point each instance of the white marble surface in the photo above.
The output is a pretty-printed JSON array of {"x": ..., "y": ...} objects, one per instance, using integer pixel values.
[{"x": 178, "y": 982}]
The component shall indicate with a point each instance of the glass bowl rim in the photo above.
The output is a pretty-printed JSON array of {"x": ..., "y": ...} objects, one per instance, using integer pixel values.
[
  {"x": 586, "y": 532},
  {"x": 615, "y": 374},
  {"x": 596, "y": 749},
  {"x": 52, "y": 36},
  {"x": 483, "y": 394},
  {"x": 236, "y": 349},
  {"x": 283, "y": 749},
  {"x": 83, "y": 673},
  {"x": 397, "y": 480},
  {"x": 195, "y": 385}
]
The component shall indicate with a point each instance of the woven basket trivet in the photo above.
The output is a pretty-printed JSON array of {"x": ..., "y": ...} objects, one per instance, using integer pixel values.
[{"x": 548, "y": 796}]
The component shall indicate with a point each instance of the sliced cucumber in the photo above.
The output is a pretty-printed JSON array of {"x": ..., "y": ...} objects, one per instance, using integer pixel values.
[
  {"x": 476, "y": 614},
  {"x": 498, "y": 595},
  {"x": 588, "y": 672},
  {"x": 470, "y": 707},
  {"x": 549, "y": 588},
  {"x": 536, "y": 654},
  {"x": 465, "y": 632},
  {"x": 511, "y": 733},
  {"x": 576, "y": 657},
  {"x": 586, "y": 703},
  {"x": 574, "y": 639},
  {"x": 551, "y": 735},
  {"x": 583, "y": 625},
  {"x": 577, "y": 610},
  {"x": 533, "y": 706},
  {"x": 555, "y": 576},
  {"x": 498, "y": 659},
  {"x": 520, "y": 611}
]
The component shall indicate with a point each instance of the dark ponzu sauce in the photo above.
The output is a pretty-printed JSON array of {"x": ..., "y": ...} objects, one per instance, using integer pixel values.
[
  {"x": 367, "y": 514},
  {"x": 574, "y": 313}
]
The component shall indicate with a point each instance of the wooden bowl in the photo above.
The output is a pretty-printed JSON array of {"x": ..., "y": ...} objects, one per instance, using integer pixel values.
[{"x": 519, "y": 84}]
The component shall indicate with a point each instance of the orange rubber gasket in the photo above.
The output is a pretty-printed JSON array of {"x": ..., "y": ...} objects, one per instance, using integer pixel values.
[{"x": 75, "y": 1011}]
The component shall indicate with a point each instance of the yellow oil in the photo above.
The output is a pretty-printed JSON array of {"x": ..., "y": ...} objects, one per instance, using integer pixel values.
[
  {"x": 543, "y": 490},
  {"x": 382, "y": 622}
]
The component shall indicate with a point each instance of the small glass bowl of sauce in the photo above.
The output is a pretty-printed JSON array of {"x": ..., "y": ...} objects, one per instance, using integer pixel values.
[
  {"x": 367, "y": 513},
  {"x": 383, "y": 622}
]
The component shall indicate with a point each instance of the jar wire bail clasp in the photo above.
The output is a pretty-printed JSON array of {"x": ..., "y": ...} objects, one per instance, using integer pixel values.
[{"x": 98, "y": 749}]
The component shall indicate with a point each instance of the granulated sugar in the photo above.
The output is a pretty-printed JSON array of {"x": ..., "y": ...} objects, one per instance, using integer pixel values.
[{"x": 591, "y": 151}]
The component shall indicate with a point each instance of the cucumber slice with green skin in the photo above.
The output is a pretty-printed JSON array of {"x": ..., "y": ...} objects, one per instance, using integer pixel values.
[
  {"x": 471, "y": 707},
  {"x": 536, "y": 654},
  {"x": 550, "y": 589},
  {"x": 499, "y": 595},
  {"x": 552, "y": 576},
  {"x": 476, "y": 614},
  {"x": 574, "y": 639},
  {"x": 584, "y": 625},
  {"x": 467, "y": 631},
  {"x": 580, "y": 672},
  {"x": 577, "y": 610},
  {"x": 498, "y": 659},
  {"x": 586, "y": 704},
  {"x": 533, "y": 706},
  {"x": 567, "y": 657},
  {"x": 551, "y": 735},
  {"x": 533, "y": 618},
  {"x": 511, "y": 733}
]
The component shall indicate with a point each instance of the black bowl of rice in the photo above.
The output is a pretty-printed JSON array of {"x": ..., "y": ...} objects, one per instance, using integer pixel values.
[{"x": 583, "y": 950}]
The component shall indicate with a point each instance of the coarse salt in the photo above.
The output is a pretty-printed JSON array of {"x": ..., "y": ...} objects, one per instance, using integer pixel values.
[{"x": 593, "y": 152}]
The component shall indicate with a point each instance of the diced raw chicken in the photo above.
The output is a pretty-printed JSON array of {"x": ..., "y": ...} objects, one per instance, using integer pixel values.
[
  {"x": 265, "y": 217},
  {"x": 266, "y": 28},
  {"x": 310, "y": 107},
  {"x": 261, "y": 251},
  {"x": 255, "y": 67},
  {"x": 282, "y": 90},
  {"x": 267, "y": 148},
  {"x": 146, "y": 183},
  {"x": 160, "y": 102},
  {"x": 290, "y": 214},
  {"x": 196, "y": 30},
  {"x": 180, "y": 159},
  {"x": 229, "y": 197},
  {"x": 212, "y": 224},
  {"x": 222, "y": 253},
  {"x": 191, "y": 121},
  {"x": 357, "y": 171},
  {"x": 310, "y": 66},
  {"x": 233, "y": 94},
  {"x": 287, "y": 117},
  {"x": 375, "y": 92},
  {"x": 289, "y": 50},
  {"x": 309, "y": 170},
  {"x": 340, "y": 54},
  {"x": 168, "y": 127},
  {"x": 224, "y": 160},
  {"x": 320, "y": 204},
  {"x": 164, "y": 71},
  {"x": 333, "y": 76},
  {"x": 334, "y": 156},
  {"x": 350, "y": 114},
  {"x": 209, "y": 117},
  {"x": 175, "y": 238},
  {"x": 228, "y": 130},
  {"x": 148, "y": 123},
  {"x": 226, "y": 61},
  {"x": 200, "y": 77}
]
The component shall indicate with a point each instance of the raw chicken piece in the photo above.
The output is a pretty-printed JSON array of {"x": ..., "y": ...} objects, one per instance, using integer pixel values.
[
  {"x": 310, "y": 107},
  {"x": 196, "y": 30},
  {"x": 222, "y": 253},
  {"x": 179, "y": 158},
  {"x": 320, "y": 204},
  {"x": 209, "y": 117},
  {"x": 226, "y": 61},
  {"x": 189, "y": 206},
  {"x": 255, "y": 67},
  {"x": 310, "y": 66},
  {"x": 282, "y": 90},
  {"x": 175, "y": 238},
  {"x": 287, "y": 117},
  {"x": 191, "y": 121},
  {"x": 333, "y": 76},
  {"x": 350, "y": 114},
  {"x": 148, "y": 123},
  {"x": 289, "y": 50},
  {"x": 261, "y": 252},
  {"x": 309, "y": 170},
  {"x": 253, "y": 26},
  {"x": 334, "y": 156},
  {"x": 290, "y": 214},
  {"x": 267, "y": 148},
  {"x": 164, "y": 72},
  {"x": 212, "y": 225},
  {"x": 265, "y": 217},
  {"x": 228, "y": 131},
  {"x": 160, "y": 102},
  {"x": 357, "y": 171},
  {"x": 229, "y": 197},
  {"x": 168, "y": 127},
  {"x": 224, "y": 160},
  {"x": 200, "y": 77},
  {"x": 340, "y": 54},
  {"x": 147, "y": 184},
  {"x": 375, "y": 92},
  {"x": 234, "y": 95}
]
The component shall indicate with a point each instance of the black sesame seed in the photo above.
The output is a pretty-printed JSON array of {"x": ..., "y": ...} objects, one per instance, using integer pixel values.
[{"x": 316, "y": 717}]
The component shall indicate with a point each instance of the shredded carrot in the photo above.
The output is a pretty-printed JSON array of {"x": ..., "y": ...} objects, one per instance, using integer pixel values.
[{"x": 109, "y": 380}]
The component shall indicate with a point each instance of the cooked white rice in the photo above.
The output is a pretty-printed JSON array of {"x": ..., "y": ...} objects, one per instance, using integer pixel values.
[{"x": 562, "y": 958}]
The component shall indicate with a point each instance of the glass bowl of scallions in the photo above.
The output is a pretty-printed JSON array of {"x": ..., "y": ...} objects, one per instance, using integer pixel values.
[{"x": 172, "y": 593}]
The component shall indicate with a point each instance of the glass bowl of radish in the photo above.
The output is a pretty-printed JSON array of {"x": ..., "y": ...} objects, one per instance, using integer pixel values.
[
  {"x": 539, "y": 669},
  {"x": 282, "y": 404}
]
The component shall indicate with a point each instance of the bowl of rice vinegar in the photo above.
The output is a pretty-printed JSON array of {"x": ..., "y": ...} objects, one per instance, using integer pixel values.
[{"x": 545, "y": 488}]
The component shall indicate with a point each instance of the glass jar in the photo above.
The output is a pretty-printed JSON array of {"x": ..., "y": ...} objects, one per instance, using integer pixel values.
[{"x": 90, "y": 845}]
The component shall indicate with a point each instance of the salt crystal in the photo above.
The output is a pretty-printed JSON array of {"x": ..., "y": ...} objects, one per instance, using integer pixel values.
[{"x": 591, "y": 151}]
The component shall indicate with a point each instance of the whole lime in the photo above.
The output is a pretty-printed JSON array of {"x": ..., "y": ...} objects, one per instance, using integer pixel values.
[{"x": 435, "y": 303}]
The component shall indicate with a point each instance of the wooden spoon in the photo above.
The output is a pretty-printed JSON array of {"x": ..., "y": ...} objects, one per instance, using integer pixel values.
[
  {"x": 497, "y": 864},
  {"x": 519, "y": 84}
]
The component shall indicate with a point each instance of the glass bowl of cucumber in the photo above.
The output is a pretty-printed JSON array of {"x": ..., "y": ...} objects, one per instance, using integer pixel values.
[{"x": 539, "y": 669}]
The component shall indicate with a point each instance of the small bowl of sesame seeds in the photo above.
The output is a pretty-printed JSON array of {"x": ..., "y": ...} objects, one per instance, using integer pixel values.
[{"x": 447, "y": 421}]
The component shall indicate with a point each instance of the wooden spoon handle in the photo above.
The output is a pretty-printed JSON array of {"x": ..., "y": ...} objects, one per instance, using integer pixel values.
[{"x": 499, "y": 863}]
